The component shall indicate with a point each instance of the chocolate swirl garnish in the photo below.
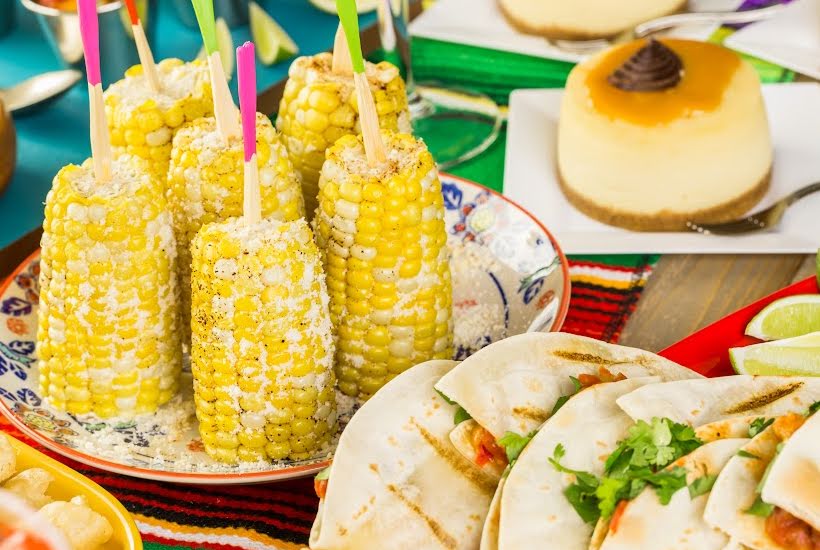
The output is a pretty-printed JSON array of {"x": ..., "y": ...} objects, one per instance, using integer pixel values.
[{"x": 652, "y": 68}]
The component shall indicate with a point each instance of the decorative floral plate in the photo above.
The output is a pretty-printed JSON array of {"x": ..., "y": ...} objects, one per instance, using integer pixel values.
[{"x": 509, "y": 276}]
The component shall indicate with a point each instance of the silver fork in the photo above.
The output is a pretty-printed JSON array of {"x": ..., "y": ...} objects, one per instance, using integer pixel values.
[
  {"x": 586, "y": 47},
  {"x": 765, "y": 219}
]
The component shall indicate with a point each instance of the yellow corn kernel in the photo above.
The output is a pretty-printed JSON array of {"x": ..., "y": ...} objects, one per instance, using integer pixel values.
[
  {"x": 255, "y": 411},
  {"x": 389, "y": 286},
  {"x": 101, "y": 358},
  {"x": 146, "y": 130},
  {"x": 319, "y": 108},
  {"x": 206, "y": 187}
]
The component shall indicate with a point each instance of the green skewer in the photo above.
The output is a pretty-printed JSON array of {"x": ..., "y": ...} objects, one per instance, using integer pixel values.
[
  {"x": 204, "y": 10},
  {"x": 350, "y": 23}
]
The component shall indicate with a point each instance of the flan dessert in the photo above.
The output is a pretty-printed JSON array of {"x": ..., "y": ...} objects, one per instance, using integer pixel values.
[
  {"x": 655, "y": 134},
  {"x": 583, "y": 19}
]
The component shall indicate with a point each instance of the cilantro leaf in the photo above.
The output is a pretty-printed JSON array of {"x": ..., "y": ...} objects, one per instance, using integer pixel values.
[
  {"x": 461, "y": 415},
  {"x": 513, "y": 444},
  {"x": 637, "y": 462},
  {"x": 584, "y": 502},
  {"x": 656, "y": 445},
  {"x": 558, "y": 452},
  {"x": 585, "y": 478},
  {"x": 758, "y": 425},
  {"x": 561, "y": 401},
  {"x": 701, "y": 485},
  {"x": 747, "y": 454},
  {"x": 667, "y": 482},
  {"x": 760, "y": 508},
  {"x": 611, "y": 491},
  {"x": 581, "y": 494},
  {"x": 323, "y": 475},
  {"x": 813, "y": 408}
]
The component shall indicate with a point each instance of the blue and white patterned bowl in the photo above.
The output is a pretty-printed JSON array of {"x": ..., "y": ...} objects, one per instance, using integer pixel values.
[{"x": 509, "y": 276}]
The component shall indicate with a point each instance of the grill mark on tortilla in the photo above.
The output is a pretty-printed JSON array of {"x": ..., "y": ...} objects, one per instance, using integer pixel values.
[
  {"x": 763, "y": 399},
  {"x": 580, "y": 357},
  {"x": 584, "y": 357},
  {"x": 531, "y": 413},
  {"x": 447, "y": 540},
  {"x": 457, "y": 461}
]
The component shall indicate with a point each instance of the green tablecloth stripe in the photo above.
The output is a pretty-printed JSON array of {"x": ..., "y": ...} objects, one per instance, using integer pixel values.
[{"x": 497, "y": 73}]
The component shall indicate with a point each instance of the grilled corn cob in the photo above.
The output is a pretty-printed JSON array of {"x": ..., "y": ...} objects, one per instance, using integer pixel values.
[
  {"x": 108, "y": 338},
  {"x": 381, "y": 232},
  {"x": 262, "y": 348},
  {"x": 143, "y": 123},
  {"x": 318, "y": 107},
  {"x": 205, "y": 185}
]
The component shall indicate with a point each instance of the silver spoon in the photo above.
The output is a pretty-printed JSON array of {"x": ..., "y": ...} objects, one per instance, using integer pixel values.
[{"x": 38, "y": 89}]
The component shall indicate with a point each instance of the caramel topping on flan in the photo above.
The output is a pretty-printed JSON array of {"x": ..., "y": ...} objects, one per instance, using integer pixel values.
[{"x": 621, "y": 84}]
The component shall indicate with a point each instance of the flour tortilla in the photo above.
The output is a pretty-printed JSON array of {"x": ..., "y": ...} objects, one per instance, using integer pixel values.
[
  {"x": 678, "y": 525},
  {"x": 698, "y": 402},
  {"x": 732, "y": 428},
  {"x": 512, "y": 385},
  {"x": 735, "y": 491},
  {"x": 793, "y": 483},
  {"x": 396, "y": 482},
  {"x": 533, "y": 508}
]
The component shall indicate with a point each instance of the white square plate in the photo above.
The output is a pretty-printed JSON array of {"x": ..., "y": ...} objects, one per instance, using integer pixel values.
[
  {"x": 790, "y": 39},
  {"x": 530, "y": 180},
  {"x": 481, "y": 23}
]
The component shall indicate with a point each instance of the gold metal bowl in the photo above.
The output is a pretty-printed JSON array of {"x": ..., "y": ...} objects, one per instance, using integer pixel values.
[{"x": 8, "y": 147}]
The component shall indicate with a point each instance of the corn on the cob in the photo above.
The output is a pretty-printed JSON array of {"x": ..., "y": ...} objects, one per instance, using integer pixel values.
[
  {"x": 108, "y": 339},
  {"x": 143, "y": 123},
  {"x": 381, "y": 232},
  {"x": 205, "y": 185},
  {"x": 262, "y": 346},
  {"x": 318, "y": 107}
]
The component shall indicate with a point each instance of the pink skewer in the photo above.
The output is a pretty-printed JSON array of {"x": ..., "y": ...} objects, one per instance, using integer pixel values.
[
  {"x": 89, "y": 31},
  {"x": 246, "y": 67}
]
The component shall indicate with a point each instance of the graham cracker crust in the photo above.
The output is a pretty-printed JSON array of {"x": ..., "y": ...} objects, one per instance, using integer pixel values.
[
  {"x": 553, "y": 32},
  {"x": 666, "y": 220}
]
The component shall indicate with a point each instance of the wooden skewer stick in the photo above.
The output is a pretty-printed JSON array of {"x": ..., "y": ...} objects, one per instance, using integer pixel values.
[
  {"x": 246, "y": 67},
  {"x": 342, "y": 63},
  {"x": 224, "y": 108},
  {"x": 368, "y": 117},
  {"x": 100, "y": 139},
  {"x": 149, "y": 68}
]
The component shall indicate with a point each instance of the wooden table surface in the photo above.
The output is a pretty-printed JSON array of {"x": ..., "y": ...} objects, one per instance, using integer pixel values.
[{"x": 685, "y": 292}]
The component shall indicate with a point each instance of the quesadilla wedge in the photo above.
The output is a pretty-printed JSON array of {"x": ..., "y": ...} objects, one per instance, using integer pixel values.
[
  {"x": 646, "y": 522},
  {"x": 733, "y": 428},
  {"x": 533, "y": 511},
  {"x": 514, "y": 385},
  {"x": 395, "y": 481},
  {"x": 698, "y": 402},
  {"x": 793, "y": 483},
  {"x": 737, "y": 506}
]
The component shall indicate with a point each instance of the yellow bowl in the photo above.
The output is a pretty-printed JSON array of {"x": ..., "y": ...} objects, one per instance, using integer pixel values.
[{"x": 68, "y": 484}]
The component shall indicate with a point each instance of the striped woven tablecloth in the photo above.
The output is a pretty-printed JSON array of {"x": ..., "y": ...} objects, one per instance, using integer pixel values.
[{"x": 605, "y": 291}]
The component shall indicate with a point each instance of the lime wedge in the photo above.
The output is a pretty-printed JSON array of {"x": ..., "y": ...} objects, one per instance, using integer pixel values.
[
  {"x": 224, "y": 43},
  {"x": 792, "y": 357},
  {"x": 272, "y": 42},
  {"x": 329, "y": 6},
  {"x": 786, "y": 318}
]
